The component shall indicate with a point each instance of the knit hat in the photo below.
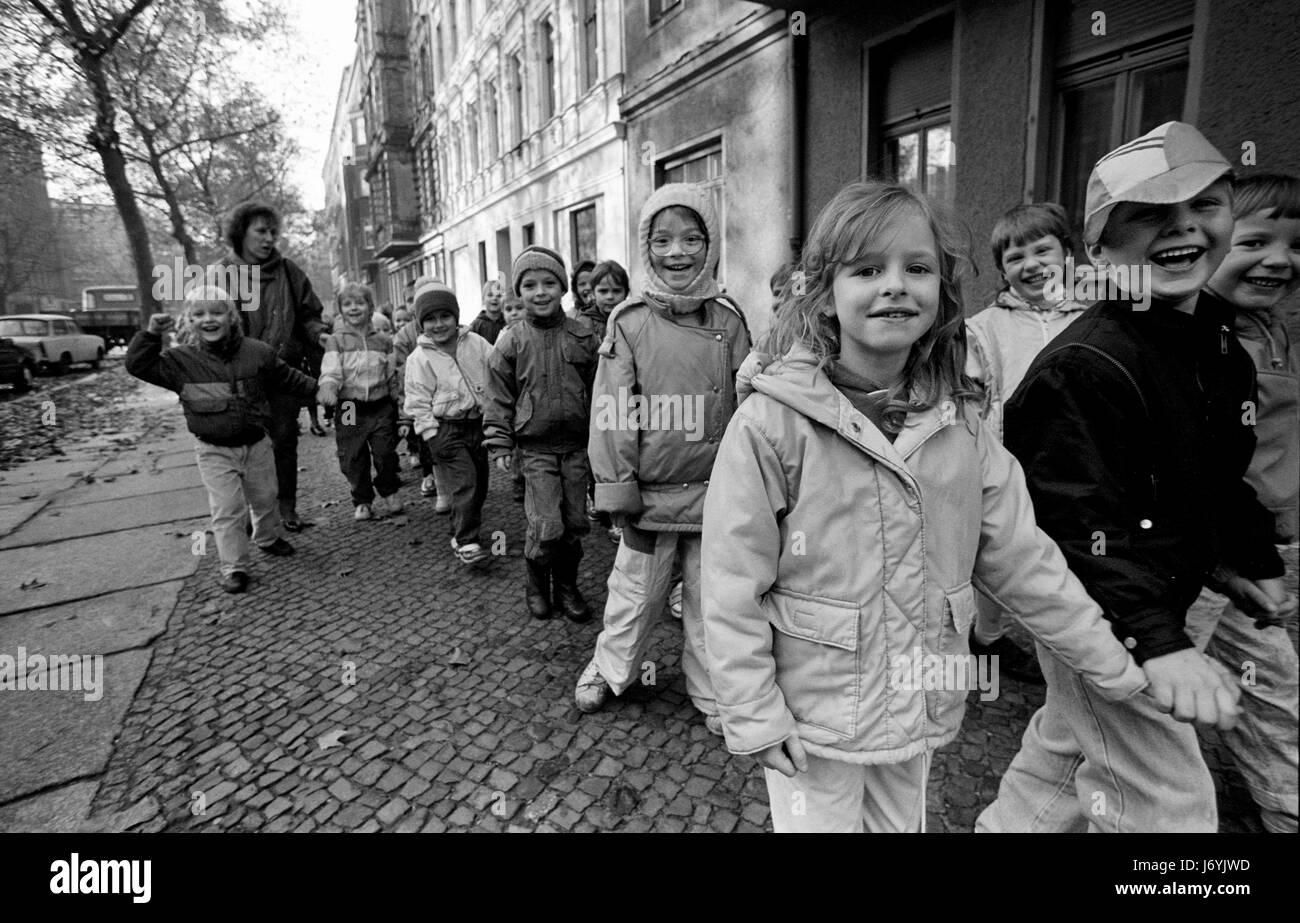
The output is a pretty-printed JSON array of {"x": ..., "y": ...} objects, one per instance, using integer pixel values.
[
  {"x": 536, "y": 257},
  {"x": 432, "y": 297},
  {"x": 703, "y": 286},
  {"x": 1168, "y": 164}
]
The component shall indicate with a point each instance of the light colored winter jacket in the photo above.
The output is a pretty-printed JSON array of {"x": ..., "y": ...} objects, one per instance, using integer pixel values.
[
  {"x": 358, "y": 365},
  {"x": 1002, "y": 341},
  {"x": 832, "y": 553},
  {"x": 440, "y": 386}
]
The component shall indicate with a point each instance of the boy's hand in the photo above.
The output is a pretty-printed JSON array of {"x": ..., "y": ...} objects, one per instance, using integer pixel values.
[
  {"x": 1194, "y": 688},
  {"x": 324, "y": 340},
  {"x": 1253, "y": 597},
  {"x": 1284, "y": 604},
  {"x": 161, "y": 323},
  {"x": 504, "y": 463},
  {"x": 787, "y": 757}
]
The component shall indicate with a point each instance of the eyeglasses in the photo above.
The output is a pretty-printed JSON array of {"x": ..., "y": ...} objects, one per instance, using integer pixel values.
[{"x": 690, "y": 244}]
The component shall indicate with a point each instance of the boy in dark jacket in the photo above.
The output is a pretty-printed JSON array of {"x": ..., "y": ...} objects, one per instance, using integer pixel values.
[
  {"x": 489, "y": 322},
  {"x": 224, "y": 379},
  {"x": 1131, "y": 432},
  {"x": 539, "y": 400}
]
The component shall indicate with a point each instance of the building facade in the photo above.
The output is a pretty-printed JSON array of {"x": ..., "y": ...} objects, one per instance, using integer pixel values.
[
  {"x": 709, "y": 100},
  {"x": 32, "y": 274},
  {"x": 347, "y": 192}
]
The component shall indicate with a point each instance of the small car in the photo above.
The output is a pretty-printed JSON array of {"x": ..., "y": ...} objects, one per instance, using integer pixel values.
[
  {"x": 16, "y": 367},
  {"x": 53, "y": 341}
]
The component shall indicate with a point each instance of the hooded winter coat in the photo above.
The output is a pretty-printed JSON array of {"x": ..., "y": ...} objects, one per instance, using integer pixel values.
[
  {"x": 442, "y": 386},
  {"x": 838, "y": 560},
  {"x": 669, "y": 348},
  {"x": 358, "y": 365},
  {"x": 223, "y": 386},
  {"x": 289, "y": 315}
]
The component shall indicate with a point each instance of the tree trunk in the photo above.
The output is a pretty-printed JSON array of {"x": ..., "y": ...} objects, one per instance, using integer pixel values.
[{"x": 179, "y": 231}]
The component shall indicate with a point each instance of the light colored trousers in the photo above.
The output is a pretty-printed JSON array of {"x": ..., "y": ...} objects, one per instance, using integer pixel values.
[
  {"x": 838, "y": 797},
  {"x": 639, "y": 586},
  {"x": 240, "y": 481},
  {"x": 1118, "y": 767},
  {"x": 1264, "y": 742}
]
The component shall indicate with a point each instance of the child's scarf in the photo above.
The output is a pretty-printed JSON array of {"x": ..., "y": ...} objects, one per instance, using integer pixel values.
[{"x": 703, "y": 287}]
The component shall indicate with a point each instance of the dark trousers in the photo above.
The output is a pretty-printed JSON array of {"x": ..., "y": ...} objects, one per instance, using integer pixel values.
[
  {"x": 282, "y": 426},
  {"x": 366, "y": 431},
  {"x": 555, "y": 500},
  {"x": 458, "y": 452}
]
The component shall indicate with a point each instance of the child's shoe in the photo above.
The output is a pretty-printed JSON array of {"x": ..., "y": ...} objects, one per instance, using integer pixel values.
[
  {"x": 675, "y": 601},
  {"x": 279, "y": 548},
  {"x": 537, "y": 588},
  {"x": 442, "y": 505},
  {"x": 390, "y": 505},
  {"x": 362, "y": 512},
  {"x": 592, "y": 690},
  {"x": 615, "y": 534},
  {"x": 427, "y": 487},
  {"x": 568, "y": 598},
  {"x": 470, "y": 552},
  {"x": 235, "y": 583},
  {"x": 714, "y": 724}
]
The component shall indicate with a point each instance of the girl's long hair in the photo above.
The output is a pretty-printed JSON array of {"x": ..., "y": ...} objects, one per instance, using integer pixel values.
[{"x": 858, "y": 215}]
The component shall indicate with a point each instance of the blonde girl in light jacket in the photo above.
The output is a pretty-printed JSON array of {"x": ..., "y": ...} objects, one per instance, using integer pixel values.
[{"x": 856, "y": 506}]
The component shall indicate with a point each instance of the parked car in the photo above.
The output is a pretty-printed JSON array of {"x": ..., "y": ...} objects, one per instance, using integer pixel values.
[
  {"x": 16, "y": 367},
  {"x": 53, "y": 341}
]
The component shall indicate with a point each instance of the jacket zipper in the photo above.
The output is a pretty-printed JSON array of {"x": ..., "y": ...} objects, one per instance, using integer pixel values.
[{"x": 1223, "y": 339}]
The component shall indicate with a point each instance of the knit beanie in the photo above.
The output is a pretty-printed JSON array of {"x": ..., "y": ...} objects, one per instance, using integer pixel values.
[
  {"x": 432, "y": 297},
  {"x": 703, "y": 286},
  {"x": 1168, "y": 164},
  {"x": 536, "y": 257}
]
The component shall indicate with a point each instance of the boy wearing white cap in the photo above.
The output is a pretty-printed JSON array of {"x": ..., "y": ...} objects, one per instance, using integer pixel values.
[{"x": 1130, "y": 430}]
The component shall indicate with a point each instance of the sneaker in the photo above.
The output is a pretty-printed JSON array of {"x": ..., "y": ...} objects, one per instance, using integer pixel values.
[
  {"x": 714, "y": 724},
  {"x": 362, "y": 512},
  {"x": 592, "y": 690},
  {"x": 1013, "y": 660},
  {"x": 615, "y": 534},
  {"x": 470, "y": 552},
  {"x": 442, "y": 506},
  {"x": 393, "y": 504},
  {"x": 235, "y": 583},
  {"x": 427, "y": 488},
  {"x": 280, "y": 548},
  {"x": 675, "y": 601}
]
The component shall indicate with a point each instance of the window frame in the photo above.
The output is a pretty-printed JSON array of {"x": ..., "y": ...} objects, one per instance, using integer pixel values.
[{"x": 697, "y": 149}]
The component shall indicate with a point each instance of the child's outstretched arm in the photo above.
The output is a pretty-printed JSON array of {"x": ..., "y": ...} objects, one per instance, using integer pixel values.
[
  {"x": 331, "y": 373},
  {"x": 615, "y": 452},
  {"x": 144, "y": 355},
  {"x": 741, "y": 550},
  {"x": 502, "y": 395},
  {"x": 282, "y": 377}
]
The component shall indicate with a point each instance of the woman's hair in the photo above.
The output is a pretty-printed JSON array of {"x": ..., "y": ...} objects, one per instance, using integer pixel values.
[
  {"x": 611, "y": 269},
  {"x": 584, "y": 266},
  {"x": 858, "y": 215},
  {"x": 1278, "y": 193},
  {"x": 355, "y": 288},
  {"x": 243, "y": 216},
  {"x": 1026, "y": 223}
]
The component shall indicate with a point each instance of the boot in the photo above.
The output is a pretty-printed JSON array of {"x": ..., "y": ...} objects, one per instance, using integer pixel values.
[
  {"x": 568, "y": 598},
  {"x": 537, "y": 588}
]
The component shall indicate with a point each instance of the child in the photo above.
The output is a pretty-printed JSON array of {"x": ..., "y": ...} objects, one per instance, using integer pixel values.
[
  {"x": 609, "y": 288},
  {"x": 857, "y": 504},
  {"x": 401, "y": 317},
  {"x": 1261, "y": 269},
  {"x": 404, "y": 342},
  {"x": 223, "y": 379},
  {"x": 539, "y": 401},
  {"x": 489, "y": 322},
  {"x": 359, "y": 373},
  {"x": 446, "y": 378},
  {"x": 679, "y": 343},
  {"x": 512, "y": 311},
  {"x": 1131, "y": 430},
  {"x": 581, "y": 287},
  {"x": 1029, "y": 243}
]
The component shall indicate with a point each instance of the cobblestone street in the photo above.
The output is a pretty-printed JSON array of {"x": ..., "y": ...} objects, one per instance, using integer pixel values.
[{"x": 461, "y": 714}]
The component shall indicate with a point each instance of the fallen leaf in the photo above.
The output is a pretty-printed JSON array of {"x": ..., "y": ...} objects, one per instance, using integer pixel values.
[
  {"x": 344, "y": 573},
  {"x": 32, "y": 496},
  {"x": 457, "y": 657},
  {"x": 415, "y": 541},
  {"x": 328, "y": 503},
  {"x": 32, "y": 584},
  {"x": 332, "y": 739}
]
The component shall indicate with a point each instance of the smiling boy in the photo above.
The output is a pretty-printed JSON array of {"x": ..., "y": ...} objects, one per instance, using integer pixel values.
[{"x": 1130, "y": 429}]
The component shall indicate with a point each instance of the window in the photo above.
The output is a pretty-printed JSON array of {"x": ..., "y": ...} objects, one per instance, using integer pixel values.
[
  {"x": 482, "y": 262},
  {"x": 515, "y": 74},
  {"x": 440, "y": 51},
  {"x": 657, "y": 9},
  {"x": 912, "y": 79},
  {"x": 701, "y": 165},
  {"x": 471, "y": 138},
  {"x": 451, "y": 25},
  {"x": 530, "y": 234},
  {"x": 1111, "y": 88},
  {"x": 503, "y": 252},
  {"x": 590, "y": 62},
  {"x": 490, "y": 120},
  {"x": 582, "y": 233},
  {"x": 423, "y": 77},
  {"x": 546, "y": 56}
]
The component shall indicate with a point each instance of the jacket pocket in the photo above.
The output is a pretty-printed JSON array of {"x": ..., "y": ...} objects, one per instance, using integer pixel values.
[
  {"x": 523, "y": 410},
  {"x": 958, "y": 615},
  {"x": 815, "y": 646},
  {"x": 208, "y": 405}
]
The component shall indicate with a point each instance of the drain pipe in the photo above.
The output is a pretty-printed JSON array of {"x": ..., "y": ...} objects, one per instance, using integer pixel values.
[{"x": 798, "y": 137}]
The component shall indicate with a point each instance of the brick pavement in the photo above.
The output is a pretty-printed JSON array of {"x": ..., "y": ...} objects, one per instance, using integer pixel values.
[{"x": 224, "y": 731}]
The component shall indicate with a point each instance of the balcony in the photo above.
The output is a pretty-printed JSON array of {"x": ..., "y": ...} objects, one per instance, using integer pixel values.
[{"x": 393, "y": 241}]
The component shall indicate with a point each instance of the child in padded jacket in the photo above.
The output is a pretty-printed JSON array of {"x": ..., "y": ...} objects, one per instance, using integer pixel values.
[
  {"x": 857, "y": 504},
  {"x": 539, "y": 399},
  {"x": 223, "y": 379},
  {"x": 446, "y": 384},
  {"x": 665, "y": 389}
]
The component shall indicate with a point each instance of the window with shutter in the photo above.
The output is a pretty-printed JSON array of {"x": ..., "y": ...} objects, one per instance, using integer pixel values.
[{"x": 914, "y": 77}]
